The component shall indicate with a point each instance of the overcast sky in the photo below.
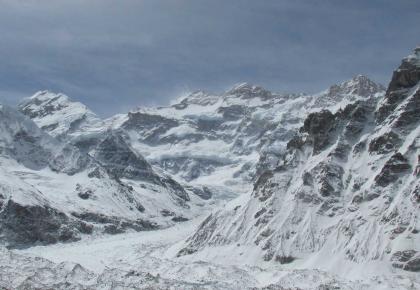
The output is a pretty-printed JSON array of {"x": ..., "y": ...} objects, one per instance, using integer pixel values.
[{"x": 113, "y": 55}]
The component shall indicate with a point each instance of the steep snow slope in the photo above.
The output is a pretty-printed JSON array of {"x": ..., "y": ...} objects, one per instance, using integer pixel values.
[
  {"x": 21, "y": 139},
  {"x": 210, "y": 141},
  {"x": 51, "y": 191},
  {"x": 344, "y": 197},
  {"x": 56, "y": 114}
]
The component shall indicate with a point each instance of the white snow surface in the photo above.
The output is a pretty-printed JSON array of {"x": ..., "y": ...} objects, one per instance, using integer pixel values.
[
  {"x": 57, "y": 113},
  {"x": 154, "y": 253}
]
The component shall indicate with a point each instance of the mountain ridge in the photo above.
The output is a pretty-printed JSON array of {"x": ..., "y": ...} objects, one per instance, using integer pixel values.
[
  {"x": 345, "y": 187},
  {"x": 282, "y": 182}
]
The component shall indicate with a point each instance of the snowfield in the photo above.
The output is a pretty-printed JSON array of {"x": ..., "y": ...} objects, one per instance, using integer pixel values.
[{"x": 155, "y": 253}]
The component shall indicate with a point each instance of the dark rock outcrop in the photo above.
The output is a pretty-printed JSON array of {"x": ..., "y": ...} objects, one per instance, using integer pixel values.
[
  {"x": 318, "y": 125},
  {"x": 26, "y": 225},
  {"x": 113, "y": 224},
  {"x": 201, "y": 191},
  {"x": 403, "y": 79},
  {"x": 390, "y": 172},
  {"x": 155, "y": 125},
  {"x": 385, "y": 143},
  {"x": 120, "y": 160},
  {"x": 408, "y": 260}
]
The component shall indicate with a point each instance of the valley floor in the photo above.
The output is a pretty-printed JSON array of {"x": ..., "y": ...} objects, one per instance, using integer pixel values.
[{"x": 153, "y": 254}]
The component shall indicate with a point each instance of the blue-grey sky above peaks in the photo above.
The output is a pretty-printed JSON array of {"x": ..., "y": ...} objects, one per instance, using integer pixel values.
[{"x": 113, "y": 55}]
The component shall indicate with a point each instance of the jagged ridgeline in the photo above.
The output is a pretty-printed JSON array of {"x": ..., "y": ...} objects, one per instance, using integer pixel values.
[
  {"x": 68, "y": 173},
  {"x": 295, "y": 177},
  {"x": 145, "y": 169},
  {"x": 53, "y": 191},
  {"x": 347, "y": 186}
]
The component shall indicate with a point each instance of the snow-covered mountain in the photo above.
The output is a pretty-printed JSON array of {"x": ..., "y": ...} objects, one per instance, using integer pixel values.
[
  {"x": 52, "y": 191},
  {"x": 205, "y": 140},
  {"x": 216, "y": 139},
  {"x": 314, "y": 185},
  {"x": 56, "y": 114},
  {"x": 345, "y": 193},
  {"x": 211, "y": 145}
]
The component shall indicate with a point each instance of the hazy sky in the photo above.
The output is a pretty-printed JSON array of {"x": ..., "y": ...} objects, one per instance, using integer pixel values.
[{"x": 113, "y": 55}]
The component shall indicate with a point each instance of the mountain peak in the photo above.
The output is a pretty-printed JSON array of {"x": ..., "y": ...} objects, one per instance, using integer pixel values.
[
  {"x": 200, "y": 97},
  {"x": 47, "y": 95},
  {"x": 45, "y": 102},
  {"x": 408, "y": 73},
  {"x": 56, "y": 113},
  {"x": 246, "y": 90},
  {"x": 414, "y": 58},
  {"x": 404, "y": 79},
  {"x": 358, "y": 85}
]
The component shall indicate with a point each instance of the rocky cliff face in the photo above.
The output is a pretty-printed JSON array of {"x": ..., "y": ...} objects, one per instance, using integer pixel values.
[
  {"x": 346, "y": 187},
  {"x": 52, "y": 191},
  {"x": 120, "y": 160},
  {"x": 206, "y": 137},
  {"x": 23, "y": 141}
]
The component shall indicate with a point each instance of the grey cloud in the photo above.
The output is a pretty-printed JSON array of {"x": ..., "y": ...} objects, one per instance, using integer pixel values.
[{"x": 115, "y": 54}]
